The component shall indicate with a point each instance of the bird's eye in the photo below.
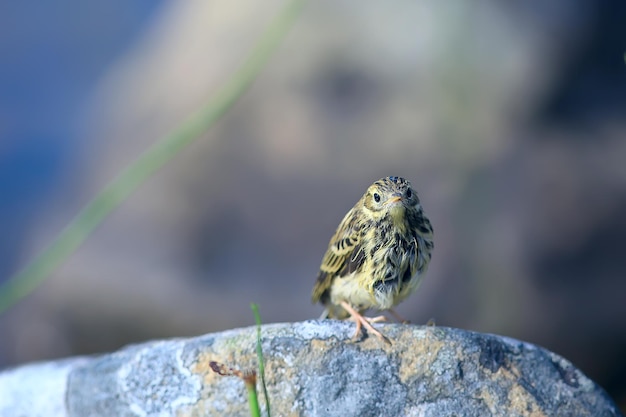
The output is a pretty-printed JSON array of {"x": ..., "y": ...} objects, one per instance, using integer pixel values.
[
  {"x": 377, "y": 197},
  {"x": 409, "y": 193}
]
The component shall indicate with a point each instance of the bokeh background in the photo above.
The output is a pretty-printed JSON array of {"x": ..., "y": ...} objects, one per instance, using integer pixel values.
[{"x": 508, "y": 117}]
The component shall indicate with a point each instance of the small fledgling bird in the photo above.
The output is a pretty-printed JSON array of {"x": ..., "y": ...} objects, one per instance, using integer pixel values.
[{"x": 377, "y": 256}]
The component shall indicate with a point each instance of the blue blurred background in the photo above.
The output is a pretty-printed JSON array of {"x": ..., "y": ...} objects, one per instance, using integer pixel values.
[{"x": 507, "y": 117}]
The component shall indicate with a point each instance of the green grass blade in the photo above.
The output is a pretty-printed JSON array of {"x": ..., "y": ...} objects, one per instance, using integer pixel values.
[
  {"x": 259, "y": 354},
  {"x": 146, "y": 164},
  {"x": 255, "y": 410}
]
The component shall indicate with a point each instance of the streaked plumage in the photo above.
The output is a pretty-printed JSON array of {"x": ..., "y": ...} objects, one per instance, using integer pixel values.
[{"x": 378, "y": 254}]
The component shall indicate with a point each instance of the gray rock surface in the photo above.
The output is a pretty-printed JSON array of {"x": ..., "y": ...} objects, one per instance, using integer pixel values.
[{"x": 312, "y": 369}]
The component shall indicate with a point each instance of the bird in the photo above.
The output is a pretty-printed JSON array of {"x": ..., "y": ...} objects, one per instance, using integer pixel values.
[{"x": 377, "y": 256}]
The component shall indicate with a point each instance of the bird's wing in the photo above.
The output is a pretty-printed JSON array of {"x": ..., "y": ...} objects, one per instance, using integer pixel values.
[{"x": 343, "y": 256}]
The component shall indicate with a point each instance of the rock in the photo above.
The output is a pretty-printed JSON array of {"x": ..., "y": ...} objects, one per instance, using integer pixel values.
[
  {"x": 312, "y": 369},
  {"x": 37, "y": 390}
]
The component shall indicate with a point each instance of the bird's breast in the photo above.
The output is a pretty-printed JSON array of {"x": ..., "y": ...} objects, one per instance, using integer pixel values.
[{"x": 391, "y": 264}]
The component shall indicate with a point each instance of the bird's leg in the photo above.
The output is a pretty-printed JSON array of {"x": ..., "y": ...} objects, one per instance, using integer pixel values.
[
  {"x": 398, "y": 317},
  {"x": 363, "y": 321}
]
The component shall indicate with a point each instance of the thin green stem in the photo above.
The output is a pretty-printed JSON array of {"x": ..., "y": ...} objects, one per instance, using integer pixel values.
[
  {"x": 259, "y": 354},
  {"x": 255, "y": 410},
  {"x": 147, "y": 163}
]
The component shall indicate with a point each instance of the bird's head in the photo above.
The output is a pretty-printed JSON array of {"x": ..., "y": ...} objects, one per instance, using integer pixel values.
[{"x": 391, "y": 196}]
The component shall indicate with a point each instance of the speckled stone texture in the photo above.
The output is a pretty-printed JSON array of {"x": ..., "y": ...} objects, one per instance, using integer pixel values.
[{"x": 314, "y": 369}]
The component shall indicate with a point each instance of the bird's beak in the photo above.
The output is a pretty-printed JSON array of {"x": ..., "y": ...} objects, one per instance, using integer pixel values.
[{"x": 395, "y": 197}]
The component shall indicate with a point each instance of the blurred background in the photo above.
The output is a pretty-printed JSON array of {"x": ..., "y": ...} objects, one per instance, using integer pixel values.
[{"x": 508, "y": 118}]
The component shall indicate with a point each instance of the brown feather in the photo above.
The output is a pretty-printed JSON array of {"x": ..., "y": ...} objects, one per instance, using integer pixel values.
[{"x": 339, "y": 257}]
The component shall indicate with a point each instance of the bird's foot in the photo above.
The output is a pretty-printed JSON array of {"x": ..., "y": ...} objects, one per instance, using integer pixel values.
[
  {"x": 398, "y": 317},
  {"x": 364, "y": 322}
]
